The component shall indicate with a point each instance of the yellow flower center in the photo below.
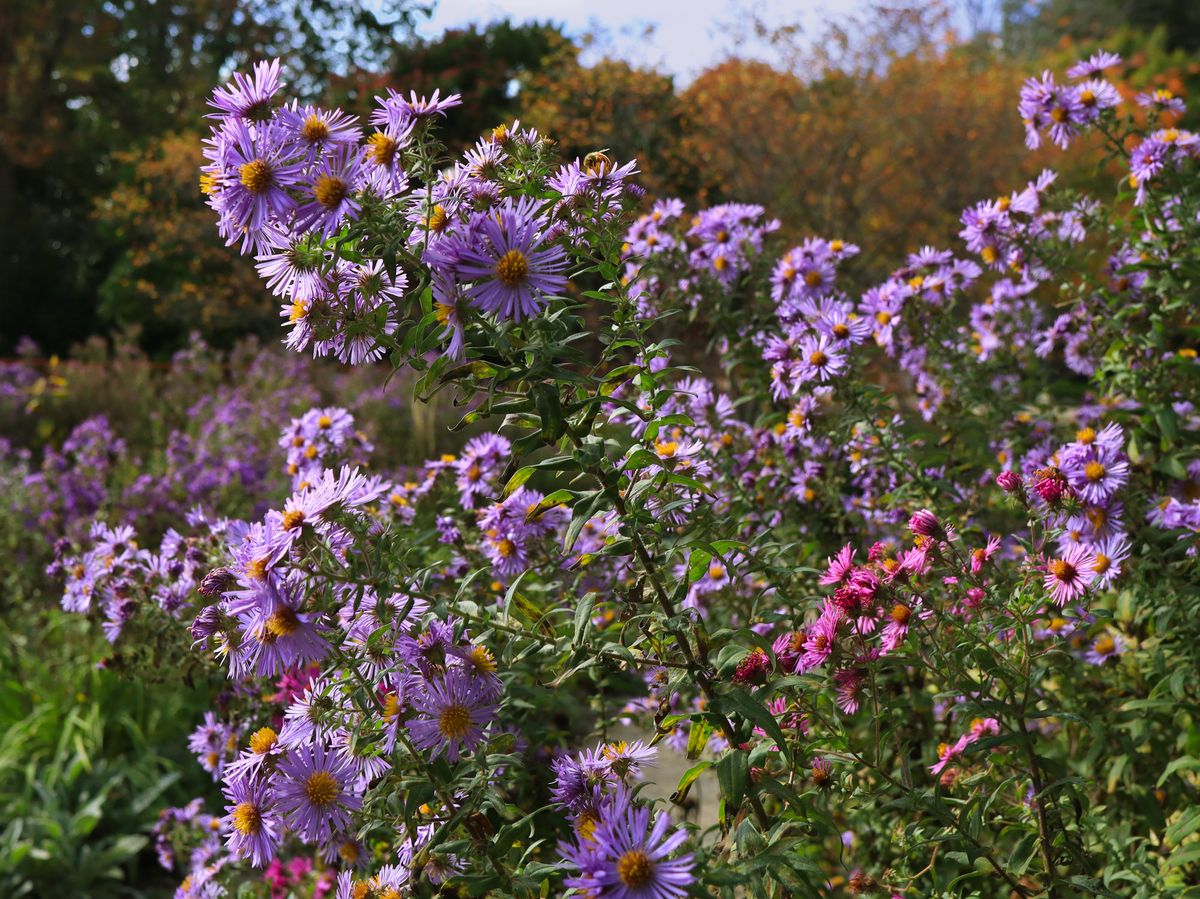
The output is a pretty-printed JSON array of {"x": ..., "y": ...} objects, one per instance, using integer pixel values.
[
  {"x": 437, "y": 218},
  {"x": 1105, "y": 645},
  {"x": 841, "y": 330},
  {"x": 883, "y": 316},
  {"x": 321, "y": 788},
  {"x": 454, "y": 723},
  {"x": 1087, "y": 97},
  {"x": 257, "y": 569},
  {"x": 1058, "y": 114},
  {"x": 989, "y": 254},
  {"x": 1062, "y": 569},
  {"x": 283, "y": 622},
  {"x": 716, "y": 572},
  {"x": 482, "y": 660},
  {"x": 506, "y": 548},
  {"x": 817, "y": 359},
  {"x": 1086, "y": 436},
  {"x": 813, "y": 278},
  {"x": 1102, "y": 564},
  {"x": 315, "y": 129},
  {"x": 247, "y": 818},
  {"x": 330, "y": 190},
  {"x": 635, "y": 869},
  {"x": 256, "y": 176},
  {"x": 263, "y": 740},
  {"x": 292, "y": 520},
  {"x": 901, "y": 613},
  {"x": 1094, "y": 471},
  {"x": 512, "y": 268},
  {"x": 381, "y": 149},
  {"x": 585, "y": 824},
  {"x": 324, "y": 422}
]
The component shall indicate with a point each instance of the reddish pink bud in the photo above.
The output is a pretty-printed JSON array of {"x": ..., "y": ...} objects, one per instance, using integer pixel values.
[
  {"x": 1050, "y": 489},
  {"x": 752, "y": 669},
  {"x": 925, "y": 523},
  {"x": 1009, "y": 481}
]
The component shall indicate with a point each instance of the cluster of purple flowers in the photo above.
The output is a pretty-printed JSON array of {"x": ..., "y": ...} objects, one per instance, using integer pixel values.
[
  {"x": 1062, "y": 111},
  {"x": 284, "y": 180},
  {"x": 617, "y": 849},
  {"x": 1181, "y": 511}
]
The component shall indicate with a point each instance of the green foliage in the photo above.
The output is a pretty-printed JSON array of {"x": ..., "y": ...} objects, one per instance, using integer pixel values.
[{"x": 87, "y": 759}]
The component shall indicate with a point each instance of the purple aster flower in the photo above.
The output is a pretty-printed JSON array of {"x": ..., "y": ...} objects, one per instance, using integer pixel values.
[
  {"x": 627, "y": 857},
  {"x": 252, "y": 825},
  {"x": 477, "y": 466},
  {"x": 1069, "y": 576},
  {"x": 1107, "y": 645},
  {"x": 396, "y": 109},
  {"x": 314, "y": 792},
  {"x": 314, "y": 129},
  {"x": 1161, "y": 100},
  {"x": 248, "y": 97},
  {"x": 1048, "y": 106},
  {"x": 820, "y": 360},
  {"x": 512, "y": 272},
  {"x": 1096, "y": 95},
  {"x": 383, "y": 158},
  {"x": 1094, "y": 65},
  {"x": 255, "y": 173},
  {"x": 451, "y": 714},
  {"x": 278, "y": 635},
  {"x": 1109, "y": 554},
  {"x": 332, "y": 186}
]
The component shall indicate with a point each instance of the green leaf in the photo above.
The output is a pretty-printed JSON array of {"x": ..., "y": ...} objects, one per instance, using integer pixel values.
[
  {"x": 752, "y": 710},
  {"x": 698, "y": 737},
  {"x": 689, "y": 778},
  {"x": 1184, "y": 826}
]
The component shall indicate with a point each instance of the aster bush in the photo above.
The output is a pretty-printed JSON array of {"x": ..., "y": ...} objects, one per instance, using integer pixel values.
[{"x": 905, "y": 570}]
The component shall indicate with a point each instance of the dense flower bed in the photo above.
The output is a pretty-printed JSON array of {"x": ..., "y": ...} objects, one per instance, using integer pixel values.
[{"x": 908, "y": 572}]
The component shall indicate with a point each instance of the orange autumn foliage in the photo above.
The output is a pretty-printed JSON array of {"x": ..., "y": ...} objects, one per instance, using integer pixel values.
[{"x": 173, "y": 271}]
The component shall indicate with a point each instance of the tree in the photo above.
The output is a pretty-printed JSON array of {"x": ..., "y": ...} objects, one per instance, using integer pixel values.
[{"x": 83, "y": 81}]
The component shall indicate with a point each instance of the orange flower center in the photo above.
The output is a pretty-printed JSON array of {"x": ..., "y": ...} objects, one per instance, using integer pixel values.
[
  {"x": 247, "y": 818},
  {"x": 321, "y": 788},
  {"x": 330, "y": 190},
  {"x": 263, "y": 740},
  {"x": 381, "y": 148},
  {"x": 256, "y": 176},
  {"x": 512, "y": 268},
  {"x": 454, "y": 723},
  {"x": 635, "y": 869},
  {"x": 315, "y": 128}
]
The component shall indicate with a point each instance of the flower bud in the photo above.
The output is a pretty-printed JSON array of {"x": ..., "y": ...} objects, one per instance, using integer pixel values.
[
  {"x": 752, "y": 669},
  {"x": 1009, "y": 481},
  {"x": 1051, "y": 490},
  {"x": 206, "y": 623},
  {"x": 924, "y": 523},
  {"x": 216, "y": 581}
]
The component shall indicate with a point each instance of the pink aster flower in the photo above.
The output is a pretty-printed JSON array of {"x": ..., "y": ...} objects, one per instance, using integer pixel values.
[
  {"x": 839, "y": 567},
  {"x": 1068, "y": 577}
]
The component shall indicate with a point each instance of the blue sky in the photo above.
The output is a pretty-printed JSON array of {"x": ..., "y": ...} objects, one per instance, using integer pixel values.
[{"x": 686, "y": 37}]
